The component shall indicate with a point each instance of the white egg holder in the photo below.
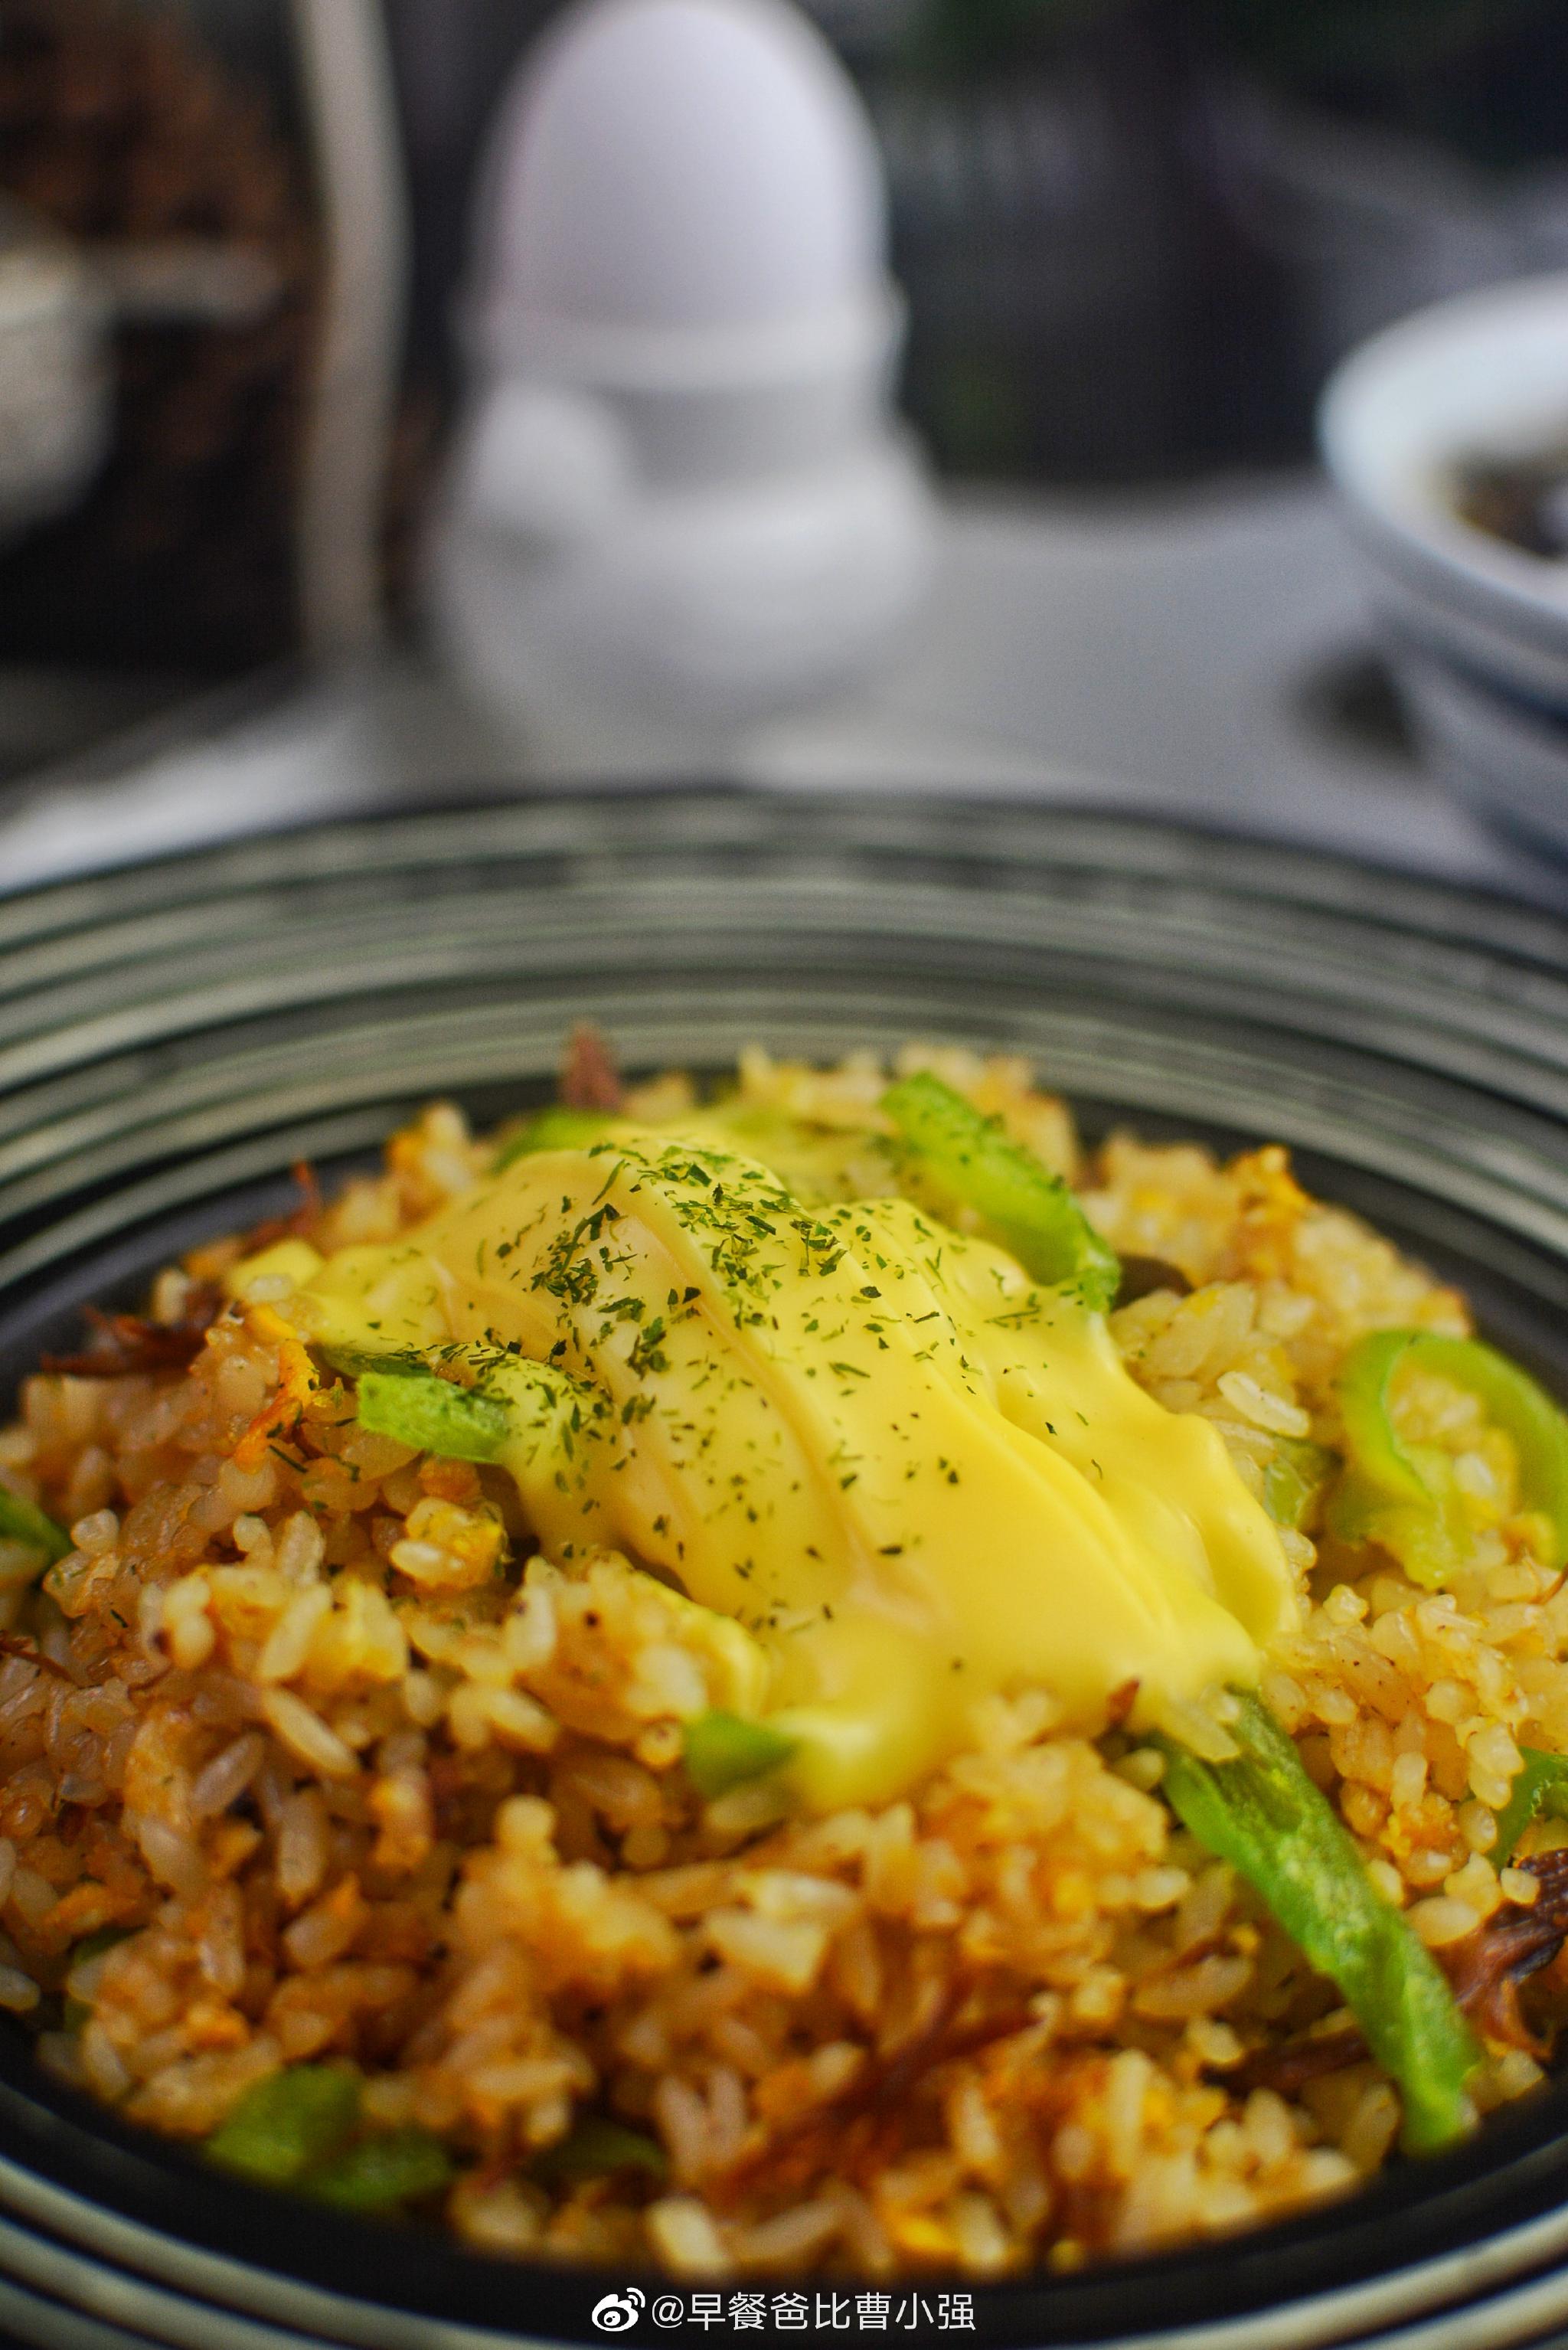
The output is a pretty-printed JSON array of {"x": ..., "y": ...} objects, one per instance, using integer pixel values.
[{"x": 681, "y": 501}]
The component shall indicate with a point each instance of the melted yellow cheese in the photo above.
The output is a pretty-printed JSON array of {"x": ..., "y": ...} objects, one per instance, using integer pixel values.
[{"x": 914, "y": 1478}]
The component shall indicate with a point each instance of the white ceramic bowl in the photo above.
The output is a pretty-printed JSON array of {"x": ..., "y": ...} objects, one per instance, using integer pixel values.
[{"x": 1477, "y": 630}]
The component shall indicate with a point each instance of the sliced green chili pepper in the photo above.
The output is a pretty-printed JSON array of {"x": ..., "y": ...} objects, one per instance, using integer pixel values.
[
  {"x": 1405, "y": 1496},
  {"x": 1514, "y": 1402},
  {"x": 1263, "y": 1815},
  {"x": 594, "y": 2148},
  {"x": 1293, "y": 1479},
  {"x": 383, "y": 2172},
  {"x": 430, "y": 1413},
  {"x": 555, "y": 1129},
  {"x": 355, "y": 1361},
  {"x": 289, "y": 2123},
  {"x": 1540, "y": 1792},
  {"x": 967, "y": 1162},
  {"x": 1401, "y": 1495},
  {"x": 530, "y": 1411},
  {"x": 720, "y": 1751},
  {"x": 23, "y": 1522}
]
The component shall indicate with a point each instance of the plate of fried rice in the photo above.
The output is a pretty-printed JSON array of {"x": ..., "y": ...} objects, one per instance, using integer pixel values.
[{"x": 780, "y": 1566}]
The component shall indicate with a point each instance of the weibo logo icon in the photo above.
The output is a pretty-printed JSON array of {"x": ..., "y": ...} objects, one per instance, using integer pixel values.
[{"x": 618, "y": 2313}]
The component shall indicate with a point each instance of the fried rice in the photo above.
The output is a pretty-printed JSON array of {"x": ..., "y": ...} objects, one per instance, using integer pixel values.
[{"x": 306, "y": 1756}]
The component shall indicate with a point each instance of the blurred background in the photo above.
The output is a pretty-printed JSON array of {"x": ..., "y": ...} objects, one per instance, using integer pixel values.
[{"x": 1134, "y": 237}]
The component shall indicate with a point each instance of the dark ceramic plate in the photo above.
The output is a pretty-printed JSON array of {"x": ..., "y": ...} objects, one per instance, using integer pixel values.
[{"x": 173, "y": 1037}]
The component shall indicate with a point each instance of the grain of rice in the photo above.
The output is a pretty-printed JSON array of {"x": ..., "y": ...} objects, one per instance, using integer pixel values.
[
  {"x": 1372, "y": 2128},
  {"x": 520, "y": 1723},
  {"x": 686, "y": 2238},
  {"x": 300, "y": 1549},
  {"x": 306, "y": 1736},
  {"x": 790, "y": 2238},
  {"x": 1492, "y": 1749},
  {"x": 225, "y": 1778},
  {"x": 1160, "y": 1889},
  {"x": 785, "y": 1958},
  {"x": 1211, "y": 1983},
  {"x": 173, "y": 1859},
  {"x": 32, "y": 1895},
  {"x": 97, "y": 1532},
  {"x": 303, "y": 1845},
  {"x": 1275, "y": 1413},
  {"x": 424, "y": 1699},
  {"x": 1517, "y": 2073},
  {"x": 149, "y": 1616},
  {"x": 980, "y": 2239},
  {"x": 1476, "y": 1885},
  {"x": 507, "y": 2218},
  {"x": 18, "y": 1992},
  {"x": 288, "y": 1643},
  {"x": 1387, "y": 1880},
  {"x": 1213, "y": 2043},
  {"x": 323, "y": 1933},
  {"x": 1441, "y": 1921},
  {"x": 531, "y": 1630},
  {"x": 105, "y": 2070}
]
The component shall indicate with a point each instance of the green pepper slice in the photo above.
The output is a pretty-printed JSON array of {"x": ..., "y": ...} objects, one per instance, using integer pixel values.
[
  {"x": 289, "y": 2123},
  {"x": 23, "y": 1522},
  {"x": 1295, "y": 1479},
  {"x": 418, "y": 1408},
  {"x": 967, "y": 1160},
  {"x": 1404, "y": 1495},
  {"x": 383, "y": 2172},
  {"x": 1540, "y": 1792},
  {"x": 721, "y": 1750},
  {"x": 555, "y": 1128},
  {"x": 1262, "y": 1813}
]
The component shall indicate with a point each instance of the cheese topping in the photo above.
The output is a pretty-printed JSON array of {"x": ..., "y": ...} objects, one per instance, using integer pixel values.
[{"x": 914, "y": 1478}]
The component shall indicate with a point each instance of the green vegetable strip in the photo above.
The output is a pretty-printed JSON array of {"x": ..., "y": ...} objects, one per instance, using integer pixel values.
[
  {"x": 432, "y": 1415},
  {"x": 289, "y": 2123},
  {"x": 967, "y": 1162},
  {"x": 1263, "y": 1815},
  {"x": 1401, "y": 1495},
  {"x": 1293, "y": 1479},
  {"x": 1541, "y": 1790},
  {"x": 383, "y": 2172},
  {"x": 720, "y": 1751},
  {"x": 595, "y": 2147},
  {"x": 1363, "y": 1381},
  {"x": 1404, "y": 1495},
  {"x": 556, "y": 1129},
  {"x": 1513, "y": 1401},
  {"x": 23, "y": 1522}
]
